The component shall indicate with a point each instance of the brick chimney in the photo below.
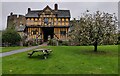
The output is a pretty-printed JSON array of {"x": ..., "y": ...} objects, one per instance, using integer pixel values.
[
  {"x": 56, "y": 7},
  {"x": 11, "y": 13},
  {"x": 29, "y": 9}
]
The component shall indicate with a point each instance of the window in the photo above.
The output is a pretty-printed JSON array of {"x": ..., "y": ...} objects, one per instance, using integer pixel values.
[
  {"x": 59, "y": 19},
  {"x": 34, "y": 32},
  {"x": 62, "y": 19},
  {"x": 47, "y": 15},
  {"x": 55, "y": 19},
  {"x": 36, "y": 19},
  {"x": 46, "y": 20},
  {"x": 66, "y": 19},
  {"x": 63, "y": 32},
  {"x": 28, "y": 19},
  {"x": 32, "y": 19},
  {"x": 39, "y": 19}
]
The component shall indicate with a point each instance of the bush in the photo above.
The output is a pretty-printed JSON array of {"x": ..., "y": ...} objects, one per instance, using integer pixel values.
[
  {"x": 30, "y": 42},
  {"x": 40, "y": 41},
  {"x": 66, "y": 43},
  {"x": 52, "y": 42},
  {"x": 25, "y": 44},
  {"x": 34, "y": 44},
  {"x": 55, "y": 42},
  {"x": 60, "y": 42},
  {"x": 10, "y": 37}
]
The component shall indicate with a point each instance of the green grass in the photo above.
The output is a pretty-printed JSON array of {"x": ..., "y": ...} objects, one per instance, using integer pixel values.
[
  {"x": 0, "y": 65},
  {"x": 7, "y": 49},
  {"x": 65, "y": 60}
]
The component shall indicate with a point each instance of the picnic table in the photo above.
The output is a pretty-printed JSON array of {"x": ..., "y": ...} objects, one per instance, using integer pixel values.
[{"x": 45, "y": 52}]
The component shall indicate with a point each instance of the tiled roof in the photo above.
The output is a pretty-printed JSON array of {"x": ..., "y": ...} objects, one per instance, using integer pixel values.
[
  {"x": 33, "y": 13},
  {"x": 63, "y": 13},
  {"x": 60, "y": 13}
]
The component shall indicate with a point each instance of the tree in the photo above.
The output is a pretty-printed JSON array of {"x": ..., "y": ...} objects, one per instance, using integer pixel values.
[
  {"x": 10, "y": 36},
  {"x": 95, "y": 29}
]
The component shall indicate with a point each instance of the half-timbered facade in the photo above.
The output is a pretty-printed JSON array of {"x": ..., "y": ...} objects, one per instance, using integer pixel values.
[{"x": 42, "y": 24}]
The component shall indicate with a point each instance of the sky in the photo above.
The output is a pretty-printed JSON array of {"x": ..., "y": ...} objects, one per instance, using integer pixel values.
[{"x": 76, "y": 8}]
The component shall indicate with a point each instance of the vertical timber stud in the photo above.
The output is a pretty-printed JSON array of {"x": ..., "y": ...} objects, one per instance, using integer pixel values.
[
  {"x": 66, "y": 34},
  {"x": 59, "y": 33},
  {"x": 28, "y": 32}
]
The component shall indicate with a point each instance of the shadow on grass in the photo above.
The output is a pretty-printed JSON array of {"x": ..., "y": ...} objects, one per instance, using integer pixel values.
[
  {"x": 40, "y": 57},
  {"x": 92, "y": 52},
  {"x": 98, "y": 53}
]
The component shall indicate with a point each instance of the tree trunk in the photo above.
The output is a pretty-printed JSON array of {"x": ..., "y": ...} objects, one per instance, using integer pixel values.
[
  {"x": 95, "y": 45},
  {"x": 95, "y": 48}
]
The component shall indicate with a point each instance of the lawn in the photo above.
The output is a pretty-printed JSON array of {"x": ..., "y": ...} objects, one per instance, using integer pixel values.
[
  {"x": 7, "y": 49},
  {"x": 65, "y": 60}
]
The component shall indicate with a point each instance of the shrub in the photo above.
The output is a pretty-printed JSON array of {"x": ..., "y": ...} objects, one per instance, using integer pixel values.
[
  {"x": 53, "y": 42},
  {"x": 66, "y": 43},
  {"x": 40, "y": 41},
  {"x": 34, "y": 44},
  {"x": 10, "y": 37}
]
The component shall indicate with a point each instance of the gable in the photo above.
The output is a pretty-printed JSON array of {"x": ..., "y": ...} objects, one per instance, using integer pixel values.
[{"x": 47, "y": 10}]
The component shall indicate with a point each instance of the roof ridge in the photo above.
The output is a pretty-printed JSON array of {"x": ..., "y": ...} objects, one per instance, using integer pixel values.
[
  {"x": 52, "y": 10},
  {"x": 36, "y": 10}
]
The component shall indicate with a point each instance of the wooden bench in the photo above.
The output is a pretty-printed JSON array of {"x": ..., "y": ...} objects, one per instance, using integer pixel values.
[{"x": 45, "y": 52}]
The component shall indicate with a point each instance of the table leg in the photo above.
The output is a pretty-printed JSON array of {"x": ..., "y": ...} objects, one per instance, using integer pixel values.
[
  {"x": 45, "y": 56},
  {"x": 32, "y": 53}
]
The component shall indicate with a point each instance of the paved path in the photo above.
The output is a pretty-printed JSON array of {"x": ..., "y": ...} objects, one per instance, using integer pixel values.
[
  {"x": 17, "y": 51},
  {"x": 20, "y": 50},
  {"x": 44, "y": 44}
]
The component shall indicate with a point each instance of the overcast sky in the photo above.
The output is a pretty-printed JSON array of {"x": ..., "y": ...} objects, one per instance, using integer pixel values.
[{"x": 76, "y": 8}]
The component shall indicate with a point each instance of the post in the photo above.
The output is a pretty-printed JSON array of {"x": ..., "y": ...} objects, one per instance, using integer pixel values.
[{"x": 57, "y": 42}]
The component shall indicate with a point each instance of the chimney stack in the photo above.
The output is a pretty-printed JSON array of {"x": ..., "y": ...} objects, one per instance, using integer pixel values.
[
  {"x": 29, "y": 9},
  {"x": 11, "y": 13},
  {"x": 56, "y": 7}
]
